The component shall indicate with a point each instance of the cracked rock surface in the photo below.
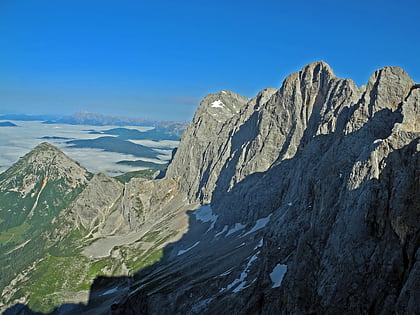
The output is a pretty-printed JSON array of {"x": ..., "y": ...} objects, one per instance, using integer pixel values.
[{"x": 333, "y": 172}]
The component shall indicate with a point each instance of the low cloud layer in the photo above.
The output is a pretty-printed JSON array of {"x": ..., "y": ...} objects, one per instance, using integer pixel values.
[{"x": 17, "y": 141}]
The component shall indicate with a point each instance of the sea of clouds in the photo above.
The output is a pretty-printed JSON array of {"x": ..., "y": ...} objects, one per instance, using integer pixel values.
[{"x": 17, "y": 141}]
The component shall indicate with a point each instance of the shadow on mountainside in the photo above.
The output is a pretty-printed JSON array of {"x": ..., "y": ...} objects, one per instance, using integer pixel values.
[
  {"x": 177, "y": 265},
  {"x": 108, "y": 290},
  {"x": 308, "y": 182},
  {"x": 316, "y": 156}
]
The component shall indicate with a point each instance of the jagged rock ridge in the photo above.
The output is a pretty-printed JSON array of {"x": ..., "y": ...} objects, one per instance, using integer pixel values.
[{"x": 332, "y": 170}]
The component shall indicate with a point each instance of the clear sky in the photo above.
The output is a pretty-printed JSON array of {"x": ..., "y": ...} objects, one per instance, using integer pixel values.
[{"x": 157, "y": 59}]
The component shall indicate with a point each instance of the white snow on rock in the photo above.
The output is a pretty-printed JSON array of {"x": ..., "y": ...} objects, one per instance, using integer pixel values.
[
  {"x": 183, "y": 251},
  {"x": 236, "y": 228},
  {"x": 225, "y": 228},
  {"x": 225, "y": 273},
  {"x": 205, "y": 214},
  {"x": 277, "y": 275},
  {"x": 259, "y": 225},
  {"x": 260, "y": 244},
  {"x": 110, "y": 291},
  {"x": 217, "y": 104},
  {"x": 240, "y": 283}
]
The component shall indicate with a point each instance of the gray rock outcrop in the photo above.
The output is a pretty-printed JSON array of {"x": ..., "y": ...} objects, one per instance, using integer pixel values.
[{"x": 320, "y": 176}]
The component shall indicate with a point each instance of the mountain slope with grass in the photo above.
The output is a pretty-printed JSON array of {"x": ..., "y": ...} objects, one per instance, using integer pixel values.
[{"x": 32, "y": 193}]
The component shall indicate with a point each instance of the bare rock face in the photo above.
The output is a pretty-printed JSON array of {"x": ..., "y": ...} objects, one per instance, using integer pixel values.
[
  {"x": 318, "y": 182},
  {"x": 107, "y": 207},
  {"x": 198, "y": 152},
  {"x": 97, "y": 203}
]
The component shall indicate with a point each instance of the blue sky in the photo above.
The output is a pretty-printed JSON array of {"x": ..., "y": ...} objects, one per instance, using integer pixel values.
[{"x": 158, "y": 59}]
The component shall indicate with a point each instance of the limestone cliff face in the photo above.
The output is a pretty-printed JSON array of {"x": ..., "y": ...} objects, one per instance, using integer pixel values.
[
  {"x": 107, "y": 207},
  {"x": 202, "y": 144},
  {"x": 324, "y": 177},
  {"x": 268, "y": 128}
]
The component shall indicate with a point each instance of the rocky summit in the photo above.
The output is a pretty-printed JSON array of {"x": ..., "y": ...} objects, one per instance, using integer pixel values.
[{"x": 301, "y": 200}]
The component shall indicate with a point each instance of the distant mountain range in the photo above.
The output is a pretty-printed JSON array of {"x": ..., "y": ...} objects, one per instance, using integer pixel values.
[{"x": 95, "y": 119}]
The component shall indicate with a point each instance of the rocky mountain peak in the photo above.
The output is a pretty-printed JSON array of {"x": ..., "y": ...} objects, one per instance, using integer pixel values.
[
  {"x": 220, "y": 106},
  {"x": 386, "y": 88},
  {"x": 316, "y": 71},
  {"x": 47, "y": 161},
  {"x": 39, "y": 183},
  {"x": 267, "y": 128}
]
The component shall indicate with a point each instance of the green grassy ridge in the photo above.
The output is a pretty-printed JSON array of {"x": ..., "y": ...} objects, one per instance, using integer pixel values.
[
  {"x": 64, "y": 269},
  {"x": 56, "y": 275},
  {"x": 14, "y": 235},
  {"x": 18, "y": 228},
  {"x": 144, "y": 164},
  {"x": 52, "y": 275},
  {"x": 126, "y": 177},
  {"x": 55, "y": 196}
]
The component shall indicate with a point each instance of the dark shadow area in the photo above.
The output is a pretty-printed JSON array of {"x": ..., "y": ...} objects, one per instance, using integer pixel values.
[
  {"x": 313, "y": 150},
  {"x": 106, "y": 293}
]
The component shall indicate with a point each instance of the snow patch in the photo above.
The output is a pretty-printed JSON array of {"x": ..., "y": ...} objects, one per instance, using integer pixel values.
[
  {"x": 259, "y": 225},
  {"x": 224, "y": 92},
  {"x": 205, "y": 214},
  {"x": 378, "y": 140},
  {"x": 290, "y": 204},
  {"x": 236, "y": 228},
  {"x": 260, "y": 243},
  {"x": 110, "y": 291},
  {"x": 239, "y": 284},
  {"x": 217, "y": 104},
  {"x": 225, "y": 228},
  {"x": 225, "y": 273},
  {"x": 277, "y": 275},
  {"x": 183, "y": 251}
]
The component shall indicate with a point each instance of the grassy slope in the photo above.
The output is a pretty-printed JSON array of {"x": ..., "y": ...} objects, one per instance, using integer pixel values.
[{"x": 61, "y": 270}]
